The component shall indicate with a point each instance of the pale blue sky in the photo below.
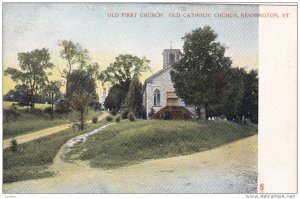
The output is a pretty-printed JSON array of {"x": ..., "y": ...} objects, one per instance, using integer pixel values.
[{"x": 27, "y": 26}]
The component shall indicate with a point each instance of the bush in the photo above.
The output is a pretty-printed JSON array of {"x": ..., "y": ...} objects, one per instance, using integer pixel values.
[
  {"x": 109, "y": 118},
  {"x": 10, "y": 114},
  {"x": 131, "y": 116},
  {"x": 114, "y": 111},
  {"x": 63, "y": 106},
  {"x": 118, "y": 119},
  {"x": 48, "y": 110},
  {"x": 13, "y": 145},
  {"x": 124, "y": 114},
  {"x": 95, "y": 119}
]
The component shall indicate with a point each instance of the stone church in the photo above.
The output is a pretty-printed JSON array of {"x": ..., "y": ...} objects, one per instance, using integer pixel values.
[{"x": 159, "y": 92}]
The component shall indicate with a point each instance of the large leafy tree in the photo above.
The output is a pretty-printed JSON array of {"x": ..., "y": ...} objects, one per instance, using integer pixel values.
[
  {"x": 249, "y": 107},
  {"x": 116, "y": 96},
  {"x": 50, "y": 90},
  {"x": 201, "y": 76},
  {"x": 20, "y": 94},
  {"x": 123, "y": 69},
  {"x": 133, "y": 100},
  {"x": 76, "y": 58},
  {"x": 81, "y": 81},
  {"x": 119, "y": 74},
  {"x": 32, "y": 73}
]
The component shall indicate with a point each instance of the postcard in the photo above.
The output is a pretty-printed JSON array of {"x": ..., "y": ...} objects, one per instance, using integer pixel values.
[{"x": 149, "y": 98}]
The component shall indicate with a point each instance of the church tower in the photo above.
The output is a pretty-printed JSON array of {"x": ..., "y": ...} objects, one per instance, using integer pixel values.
[{"x": 170, "y": 56}]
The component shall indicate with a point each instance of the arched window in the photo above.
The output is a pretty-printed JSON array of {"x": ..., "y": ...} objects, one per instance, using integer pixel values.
[{"x": 156, "y": 98}]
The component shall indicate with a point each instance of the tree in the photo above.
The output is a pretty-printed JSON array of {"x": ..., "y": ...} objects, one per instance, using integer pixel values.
[
  {"x": 123, "y": 69},
  {"x": 116, "y": 96},
  {"x": 236, "y": 90},
  {"x": 32, "y": 73},
  {"x": 119, "y": 74},
  {"x": 50, "y": 90},
  {"x": 81, "y": 81},
  {"x": 76, "y": 58},
  {"x": 201, "y": 76},
  {"x": 249, "y": 107},
  {"x": 20, "y": 94},
  {"x": 80, "y": 103},
  {"x": 134, "y": 99}
]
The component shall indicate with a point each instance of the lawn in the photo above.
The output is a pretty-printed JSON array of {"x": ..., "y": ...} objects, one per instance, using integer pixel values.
[
  {"x": 32, "y": 159},
  {"x": 131, "y": 142},
  {"x": 29, "y": 121},
  {"x": 39, "y": 106}
]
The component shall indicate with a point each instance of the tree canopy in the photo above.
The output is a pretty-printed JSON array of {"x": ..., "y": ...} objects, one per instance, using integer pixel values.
[
  {"x": 32, "y": 73},
  {"x": 201, "y": 76},
  {"x": 123, "y": 69}
]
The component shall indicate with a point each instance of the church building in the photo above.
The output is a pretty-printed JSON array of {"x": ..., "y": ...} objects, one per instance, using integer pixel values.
[{"x": 159, "y": 93}]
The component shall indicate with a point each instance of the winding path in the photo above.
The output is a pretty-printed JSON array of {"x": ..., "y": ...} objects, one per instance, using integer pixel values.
[
  {"x": 231, "y": 168},
  {"x": 43, "y": 133}
]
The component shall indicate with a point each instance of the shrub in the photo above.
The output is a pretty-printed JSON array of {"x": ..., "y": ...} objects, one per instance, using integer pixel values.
[
  {"x": 118, "y": 119},
  {"x": 13, "y": 145},
  {"x": 63, "y": 106},
  {"x": 114, "y": 111},
  {"x": 48, "y": 110},
  {"x": 109, "y": 118},
  {"x": 124, "y": 113},
  {"x": 131, "y": 116},
  {"x": 14, "y": 106},
  {"x": 95, "y": 119},
  {"x": 11, "y": 114}
]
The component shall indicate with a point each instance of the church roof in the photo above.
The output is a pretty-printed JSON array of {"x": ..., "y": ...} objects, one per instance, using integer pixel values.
[{"x": 149, "y": 79}]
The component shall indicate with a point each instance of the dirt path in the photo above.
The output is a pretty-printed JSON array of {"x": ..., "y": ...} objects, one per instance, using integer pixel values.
[
  {"x": 42, "y": 133},
  {"x": 231, "y": 168}
]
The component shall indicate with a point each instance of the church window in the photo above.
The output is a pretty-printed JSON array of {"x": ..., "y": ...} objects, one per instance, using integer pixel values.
[{"x": 156, "y": 98}]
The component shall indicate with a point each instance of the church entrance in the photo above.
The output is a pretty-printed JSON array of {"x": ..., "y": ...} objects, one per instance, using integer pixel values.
[{"x": 172, "y": 99}]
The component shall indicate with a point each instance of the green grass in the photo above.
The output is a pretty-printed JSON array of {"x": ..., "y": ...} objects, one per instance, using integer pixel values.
[
  {"x": 29, "y": 121},
  {"x": 130, "y": 142},
  {"x": 32, "y": 159},
  {"x": 39, "y": 106}
]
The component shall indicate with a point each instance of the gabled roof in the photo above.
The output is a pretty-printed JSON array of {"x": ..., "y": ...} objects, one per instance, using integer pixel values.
[{"x": 149, "y": 79}]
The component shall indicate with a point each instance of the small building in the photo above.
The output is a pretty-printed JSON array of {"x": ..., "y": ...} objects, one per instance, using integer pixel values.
[{"x": 159, "y": 93}]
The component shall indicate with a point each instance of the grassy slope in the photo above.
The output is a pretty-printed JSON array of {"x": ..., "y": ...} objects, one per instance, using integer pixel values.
[
  {"x": 130, "y": 142},
  {"x": 30, "y": 122},
  {"x": 32, "y": 159}
]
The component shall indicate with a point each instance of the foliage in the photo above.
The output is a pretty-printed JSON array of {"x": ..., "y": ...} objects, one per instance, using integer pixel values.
[
  {"x": 134, "y": 98},
  {"x": 20, "y": 94},
  {"x": 32, "y": 73},
  {"x": 109, "y": 118},
  {"x": 48, "y": 110},
  {"x": 114, "y": 111},
  {"x": 249, "y": 107},
  {"x": 124, "y": 113},
  {"x": 80, "y": 81},
  {"x": 77, "y": 59},
  {"x": 10, "y": 114},
  {"x": 123, "y": 69},
  {"x": 80, "y": 104},
  {"x": 201, "y": 76},
  {"x": 63, "y": 106},
  {"x": 118, "y": 119},
  {"x": 95, "y": 119},
  {"x": 116, "y": 96},
  {"x": 13, "y": 145},
  {"x": 130, "y": 143},
  {"x": 131, "y": 116},
  {"x": 50, "y": 90}
]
